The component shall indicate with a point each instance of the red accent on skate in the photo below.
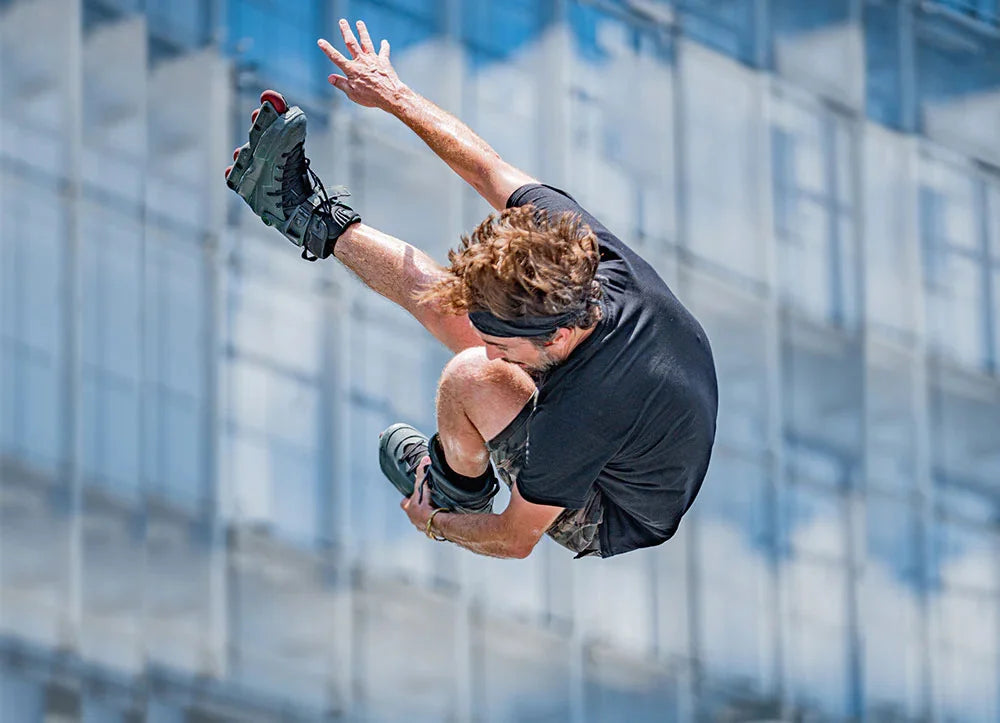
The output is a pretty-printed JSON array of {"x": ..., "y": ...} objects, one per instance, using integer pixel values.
[
  {"x": 276, "y": 99},
  {"x": 253, "y": 116},
  {"x": 236, "y": 154},
  {"x": 229, "y": 169}
]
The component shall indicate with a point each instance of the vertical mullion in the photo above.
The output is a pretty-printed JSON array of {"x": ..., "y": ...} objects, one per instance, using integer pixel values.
[
  {"x": 981, "y": 205},
  {"x": 828, "y": 136}
]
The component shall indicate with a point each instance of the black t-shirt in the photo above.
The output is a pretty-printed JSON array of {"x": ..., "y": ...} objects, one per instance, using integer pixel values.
[{"x": 633, "y": 408}]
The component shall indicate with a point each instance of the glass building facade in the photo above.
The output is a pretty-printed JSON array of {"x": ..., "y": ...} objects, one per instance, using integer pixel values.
[{"x": 193, "y": 527}]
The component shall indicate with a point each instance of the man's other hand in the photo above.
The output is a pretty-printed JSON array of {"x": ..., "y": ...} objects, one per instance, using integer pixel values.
[
  {"x": 418, "y": 506},
  {"x": 369, "y": 78}
]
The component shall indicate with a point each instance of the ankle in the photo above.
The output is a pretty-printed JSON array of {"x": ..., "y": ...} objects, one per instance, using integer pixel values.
[{"x": 468, "y": 483}]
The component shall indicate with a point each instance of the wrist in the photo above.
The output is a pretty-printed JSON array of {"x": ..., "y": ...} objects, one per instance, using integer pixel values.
[
  {"x": 429, "y": 529},
  {"x": 402, "y": 100}
]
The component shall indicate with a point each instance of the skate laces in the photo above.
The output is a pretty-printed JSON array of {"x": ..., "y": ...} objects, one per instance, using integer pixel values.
[
  {"x": 412, "y": 454},
  {"x": 299, "y": 182}
]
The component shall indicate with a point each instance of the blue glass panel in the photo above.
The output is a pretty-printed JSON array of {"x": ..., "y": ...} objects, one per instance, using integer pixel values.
[
  {"x": 893, "y": 536},
  {"x": 497, "y": 29},
  {"x": 278, "y": 40},
  {"x": 816, "y": 523},
  {"x": 161, "y": 712},
  {"x": 794, "y": 16},
  {"x": 100, "y": 711},
  {"x": 735, "y": 490},
  {"x": 180, "y": 475},
  {"x": 402, "y": 23},
  {"x": 953, "y": 260},
  {"x": 592, "y": 28},
  {"x": 295, "y": 491},
  {"x": 954, "y": 62},
  {"x": 987, "y": 11},
  {"x": 726, "y": 25},
  {"x": 20, "y": 699},
  {"x": 812, "y": 211},
  {"x": 883, "y": 64}
]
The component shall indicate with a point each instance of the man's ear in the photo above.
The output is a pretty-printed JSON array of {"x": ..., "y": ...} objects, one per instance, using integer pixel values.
[{"x": 562, "y": 334}]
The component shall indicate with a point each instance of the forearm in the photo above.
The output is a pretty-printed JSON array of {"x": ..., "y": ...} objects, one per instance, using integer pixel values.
[
  {"x": 370, "y": 80},
  {"x": 466, "y": 153},
  {"x": 483, "y": 534},
  {"x": 398, "y": 270},
  {"x": 387, "y": 265}
]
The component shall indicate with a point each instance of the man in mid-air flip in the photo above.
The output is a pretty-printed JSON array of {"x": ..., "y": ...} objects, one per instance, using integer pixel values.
[{"x": 576, "y": 371}]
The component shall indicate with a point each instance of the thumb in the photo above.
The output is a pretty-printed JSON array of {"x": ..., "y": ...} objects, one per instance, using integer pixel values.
[
  {"x": 383, "y": 50},
  {"x": 338, "y": 81}
]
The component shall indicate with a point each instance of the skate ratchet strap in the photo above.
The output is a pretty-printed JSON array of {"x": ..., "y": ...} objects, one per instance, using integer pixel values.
[{"x": 525, "y": 326}]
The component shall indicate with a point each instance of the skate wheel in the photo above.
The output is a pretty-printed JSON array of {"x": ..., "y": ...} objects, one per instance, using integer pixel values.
[
  {"x": 229, "y": 169},
  {"x": 253, "y": 116},
  {"x": 236, "y": 154},
  {"x": 276, "y": 99}
]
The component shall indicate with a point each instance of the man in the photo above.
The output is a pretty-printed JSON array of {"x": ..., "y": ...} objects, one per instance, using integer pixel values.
[{"x": 576, "y": 372}]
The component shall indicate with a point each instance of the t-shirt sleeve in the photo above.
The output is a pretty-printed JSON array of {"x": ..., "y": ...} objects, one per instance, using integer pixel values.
[{"x": 563, "y": 459}]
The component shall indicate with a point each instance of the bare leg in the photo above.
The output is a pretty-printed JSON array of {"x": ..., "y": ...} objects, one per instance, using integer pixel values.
[{"x": 477, "y": 399}]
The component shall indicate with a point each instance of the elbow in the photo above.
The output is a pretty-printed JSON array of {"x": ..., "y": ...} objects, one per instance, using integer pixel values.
[{"x": 522, "y": 548}]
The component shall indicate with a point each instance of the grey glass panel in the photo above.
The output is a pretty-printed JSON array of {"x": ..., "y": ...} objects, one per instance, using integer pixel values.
[
  {"x": 892, "y": 425},
  {"x": 618, "y": 690},
  {"x": 722, "y": 159},
  {"x": 735, "y": 491},
  {"x": 964, "y": 444},
  {"x": 621, "y": 126},
  {"x": 815, "y": 44},
  {"x": 967, "y": 556},
  {"x": 993, "y": 218},
  {"x": 818, "y": 648},
  {"x": 177, "y": 318},
  {"x": 813, "y": 212},
  {"x": 32, "y": 347},
  {"x": 816, "y": 522},
  {"x": 822, "y": 398},
  {"x": 893, "y": 537},
  {"x": 735, "y": 546},
  {"x": 274, "y": 398},
  {"x": 526, "y": 674},
  {"x": 892, "y": 615},
  {"x": 186, "y": 22},
  {"x": 965, "y": 655}
]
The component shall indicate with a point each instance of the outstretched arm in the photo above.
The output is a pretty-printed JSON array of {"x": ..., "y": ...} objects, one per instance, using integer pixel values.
[
  {"x": 370, "y": 80},
  {"x": 398, "y": 270}
]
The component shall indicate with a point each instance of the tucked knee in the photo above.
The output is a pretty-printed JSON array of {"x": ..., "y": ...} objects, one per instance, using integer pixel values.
[
  {"x": 489, "y": 393},
  {"x": 469, "y": 374}
]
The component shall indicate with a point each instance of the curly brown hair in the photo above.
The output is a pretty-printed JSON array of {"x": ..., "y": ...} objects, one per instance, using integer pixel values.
[{"x": 522, "y": 262}]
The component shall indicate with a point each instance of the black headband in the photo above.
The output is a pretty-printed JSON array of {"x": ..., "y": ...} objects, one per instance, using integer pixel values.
[{"x": 525, "y": 326}]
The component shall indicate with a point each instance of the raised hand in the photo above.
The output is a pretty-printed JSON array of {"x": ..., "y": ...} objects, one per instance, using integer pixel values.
[{"x": 368, "y": 77}]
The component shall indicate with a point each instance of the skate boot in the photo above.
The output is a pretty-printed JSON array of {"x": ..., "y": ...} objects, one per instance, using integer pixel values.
[
  {"x": 401, "y": 447},
  {"x": 272, "y": 174}
]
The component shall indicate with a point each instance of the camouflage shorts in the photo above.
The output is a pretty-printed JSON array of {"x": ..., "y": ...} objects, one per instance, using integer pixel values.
[{"x": 576, "y": 530}]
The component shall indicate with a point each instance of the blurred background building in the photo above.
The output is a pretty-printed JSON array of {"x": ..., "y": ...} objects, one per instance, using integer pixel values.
[{"x": 192, "y": 522}]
